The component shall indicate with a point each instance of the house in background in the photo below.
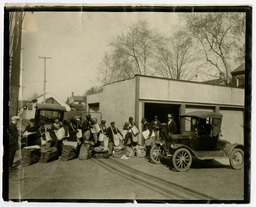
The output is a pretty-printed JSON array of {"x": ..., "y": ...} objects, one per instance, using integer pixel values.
[
  {"x": 76, "y": 102},
  {"x": 27, "y": 109},
  {"x": 238, "y": 76}
]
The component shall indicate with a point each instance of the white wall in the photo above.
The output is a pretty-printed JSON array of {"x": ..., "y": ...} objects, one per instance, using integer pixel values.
[
  {"x": 172, "y": 90},
  {"x": 118, "y": 102},
  {"x": 95, "y": 98},
  {"x": 233, "y": 125}
]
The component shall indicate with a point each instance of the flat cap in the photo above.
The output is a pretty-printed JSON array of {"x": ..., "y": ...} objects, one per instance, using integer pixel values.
[{"x": 15, "y": 118}]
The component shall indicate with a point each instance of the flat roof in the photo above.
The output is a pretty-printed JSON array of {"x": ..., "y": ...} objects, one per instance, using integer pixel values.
[
  {"x": 51, "y": 107},
  {"x": 202, "y": 114},
  {"x": 185, "y": 81}
]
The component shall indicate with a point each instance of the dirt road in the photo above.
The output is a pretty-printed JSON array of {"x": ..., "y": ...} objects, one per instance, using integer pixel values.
[{"x": 131, "y": 179}]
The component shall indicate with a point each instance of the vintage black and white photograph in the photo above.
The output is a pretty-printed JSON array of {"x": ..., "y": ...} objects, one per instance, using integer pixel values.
[{"x": 127, "y": 103}]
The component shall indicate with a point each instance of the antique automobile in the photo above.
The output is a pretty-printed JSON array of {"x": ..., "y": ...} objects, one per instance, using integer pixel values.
[
  {"x": 201, "y": 139},
  {"x": 48, "y": 112}
]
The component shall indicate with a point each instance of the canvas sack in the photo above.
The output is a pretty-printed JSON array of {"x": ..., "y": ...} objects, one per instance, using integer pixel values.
[
  {"x": 140, "y": 152},
  {"x": 115, "y": 138},
  {"x": 146, "y": 134},
  {"x": 149, "y": 141},
  {"x": 79, "y": 134},
  {"x": 48, "y": 136},
  {"x": 60, "y": 133},
  {"x": 135, "y": 131},
  {"x": 101, "y": 137},
  {"x": 85, "y": 151},
  {"x": 129, "y": 152}
]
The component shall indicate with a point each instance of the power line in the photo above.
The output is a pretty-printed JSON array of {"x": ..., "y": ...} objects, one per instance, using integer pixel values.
[
  {"x": 116, "y": 22},
  {"x": 70, "y": 30}
]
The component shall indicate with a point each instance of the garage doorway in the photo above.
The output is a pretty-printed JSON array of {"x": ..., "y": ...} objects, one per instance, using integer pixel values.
[{"x": 161, "y": 110}]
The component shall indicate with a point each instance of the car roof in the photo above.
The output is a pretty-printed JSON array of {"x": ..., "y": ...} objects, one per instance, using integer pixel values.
[
  {"x": 50, "y": 107},
  {"x": 203, "y": 114}
]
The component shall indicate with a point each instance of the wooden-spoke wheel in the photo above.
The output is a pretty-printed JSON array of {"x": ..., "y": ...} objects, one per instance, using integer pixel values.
[
  {"x": 237, "y": 159},
  {"x": 182, "y": 159},
  {"x": 155, "y": 154}
]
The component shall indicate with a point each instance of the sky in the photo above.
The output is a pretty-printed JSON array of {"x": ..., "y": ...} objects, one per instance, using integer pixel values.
[{"x": 76, "y": 43}]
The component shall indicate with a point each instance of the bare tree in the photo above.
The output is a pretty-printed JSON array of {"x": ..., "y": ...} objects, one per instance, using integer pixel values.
[
  {"x": 176, "y": 58},
  {"x": 131, "y": 53},
  {"x": 215, "y": 33}
]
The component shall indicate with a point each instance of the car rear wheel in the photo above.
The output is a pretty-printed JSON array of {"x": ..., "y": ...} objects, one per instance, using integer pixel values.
[
  {"x": 155, "y": 154},
  {"x": 237, "y": 159},
  {"x": 182, "y": 159}
]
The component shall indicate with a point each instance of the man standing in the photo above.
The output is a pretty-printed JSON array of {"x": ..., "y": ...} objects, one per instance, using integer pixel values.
[
  {"x": 111, "y": 132},
  {"x": 128, "y": 126},
  {"x": 31, "y": 133},
  {"x": 171, "y": 126},
  {"x": 155, "y": 126},
  {"x": 148, "y": 142},
  {"x": 13, "y": 139},
  {"x": 86, "y": 127}
]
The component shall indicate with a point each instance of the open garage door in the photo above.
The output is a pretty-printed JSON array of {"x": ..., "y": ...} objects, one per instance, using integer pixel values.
[
  {"x": 233, "y": 125},
  {"x": 161, "y": 110}
]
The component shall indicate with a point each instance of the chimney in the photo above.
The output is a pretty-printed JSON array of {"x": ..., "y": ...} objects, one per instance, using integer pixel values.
[{"x": 72, "y": 94}]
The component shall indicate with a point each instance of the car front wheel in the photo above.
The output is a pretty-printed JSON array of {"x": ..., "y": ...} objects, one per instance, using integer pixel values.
[
  {"x": 237, "y": 159},
  {"x": 155, "y": 154},
  {"x": 182, "y": 159}
]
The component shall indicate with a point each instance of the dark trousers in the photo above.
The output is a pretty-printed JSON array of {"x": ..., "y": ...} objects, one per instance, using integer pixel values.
[
  {"x": 148, "y": 148},
  {"x": 127, "y": 137},
  {"x": 58, "y": 145},
  {"x": 110, "y": 148},
  {"x": 12, "y": 151}
]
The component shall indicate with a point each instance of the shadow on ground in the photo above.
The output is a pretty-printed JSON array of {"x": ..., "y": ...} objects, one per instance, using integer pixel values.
[{"x": 198, "y": 164}]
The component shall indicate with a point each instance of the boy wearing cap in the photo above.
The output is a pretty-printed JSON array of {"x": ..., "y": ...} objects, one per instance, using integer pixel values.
[
  {"x": 128, "y": 126},
  {"x": 111, "y": 131},
  {"x": 13, "y": 139},
  {"x": 32, "y": 131},
  {"x": 155, "y": 126}
]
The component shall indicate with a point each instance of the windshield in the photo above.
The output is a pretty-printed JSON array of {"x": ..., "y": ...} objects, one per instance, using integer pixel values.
[
  {"x": 49, "y": 116},
  {"x": 194, "y": 124},
  {"x": 190, "y": 124}
]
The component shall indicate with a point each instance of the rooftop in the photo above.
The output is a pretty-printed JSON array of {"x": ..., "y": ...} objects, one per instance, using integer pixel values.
[{"x": 239, "y": 70}]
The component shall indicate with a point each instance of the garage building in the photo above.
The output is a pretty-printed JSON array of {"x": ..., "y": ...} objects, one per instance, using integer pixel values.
[{"x": 146, "y": 96}]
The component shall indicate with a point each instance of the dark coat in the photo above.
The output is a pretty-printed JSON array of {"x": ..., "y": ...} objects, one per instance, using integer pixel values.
[
  {"x": 32, "y": 138},
  {"x": 72, "y": 131},
  {"x": 87, "y": 125},
  {"x": 41, "y": 132},
  {"x": 110, "y": 134},
  {"x": 13, "y": 134},
  {"x": 31, "y": 129},
  {"x": 154, "y": 125},
  {"x": 172, "y": 128}
]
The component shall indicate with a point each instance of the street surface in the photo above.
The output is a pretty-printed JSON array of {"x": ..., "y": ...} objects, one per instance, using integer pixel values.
[{"x": 135, "y": 178}]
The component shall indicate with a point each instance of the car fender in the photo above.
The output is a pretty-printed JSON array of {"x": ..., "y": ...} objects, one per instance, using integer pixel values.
[
  {"x": 229, "y": 148},
  {"x": 174, "y": 147}
]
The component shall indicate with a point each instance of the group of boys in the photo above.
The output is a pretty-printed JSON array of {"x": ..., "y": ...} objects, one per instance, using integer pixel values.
[{"x": 159, "y": 129}]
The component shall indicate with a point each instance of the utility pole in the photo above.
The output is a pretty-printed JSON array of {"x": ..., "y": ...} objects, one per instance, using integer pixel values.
[{"x": 45, "y": 58}]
